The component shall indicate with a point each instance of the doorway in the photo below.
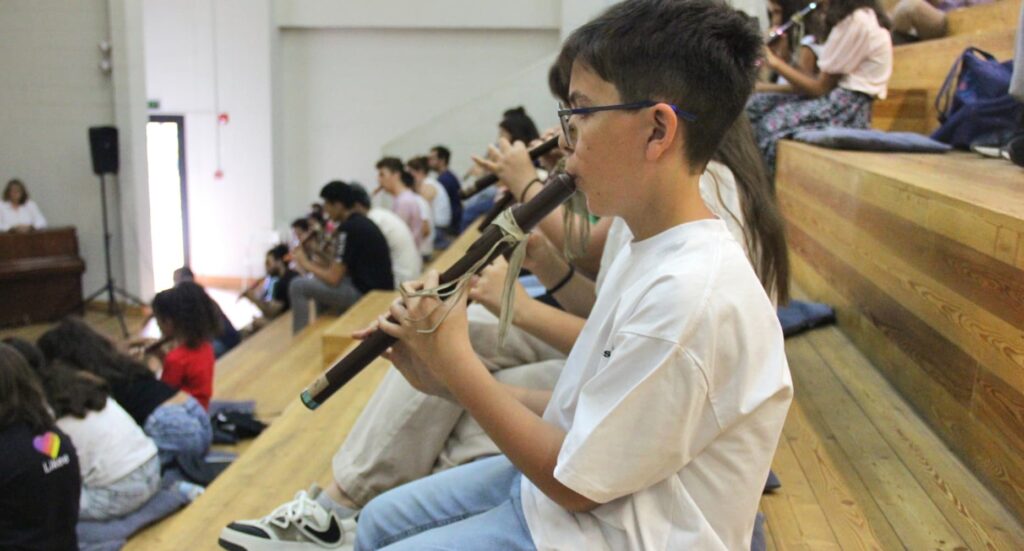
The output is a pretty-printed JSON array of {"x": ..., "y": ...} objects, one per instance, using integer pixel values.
[{"x": 168, "y": 196}]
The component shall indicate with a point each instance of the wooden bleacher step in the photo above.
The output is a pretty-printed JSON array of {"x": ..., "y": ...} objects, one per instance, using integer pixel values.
[
  {"x": 919, "y": 69},
  {"x": 861, "y": 470},
  {"x": 923, "y": 256}
]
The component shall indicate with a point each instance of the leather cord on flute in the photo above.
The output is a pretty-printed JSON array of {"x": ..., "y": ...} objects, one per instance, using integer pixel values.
[
  {"x": 502, "y": 203},
  {"x": 489, "y": 180},
  {"x": 559, "y": 188}
]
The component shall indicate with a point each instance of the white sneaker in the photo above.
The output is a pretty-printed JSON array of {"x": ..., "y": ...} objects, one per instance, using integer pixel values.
[{"x": 299, "y": 524}]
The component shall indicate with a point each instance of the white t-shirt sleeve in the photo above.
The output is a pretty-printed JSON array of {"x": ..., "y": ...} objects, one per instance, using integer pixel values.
[
  {"x": 38, "y": 221},
  {"x": 635, "y": 421}
]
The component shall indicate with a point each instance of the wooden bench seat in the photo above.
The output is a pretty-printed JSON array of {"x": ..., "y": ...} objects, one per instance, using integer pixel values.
[
  {"x": 923, "y": 256},
  {"x": 919, "y": 69},
  {"x": 995, "y": 16},
  {"x": 861, "y": 470}
]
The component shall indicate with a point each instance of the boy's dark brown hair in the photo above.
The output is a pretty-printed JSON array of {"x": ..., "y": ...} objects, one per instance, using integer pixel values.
[
  {"x": 699, "y": 55},
  {"x": 196, "y": 318},
  {"x": 394, "y": 164},
  {"x": 21, "y": 394}
]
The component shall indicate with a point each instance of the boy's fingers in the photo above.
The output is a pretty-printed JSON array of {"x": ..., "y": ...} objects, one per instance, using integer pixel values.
[
  {"x": 392, "y": 329},
  {"x": 489, "y": 166}
]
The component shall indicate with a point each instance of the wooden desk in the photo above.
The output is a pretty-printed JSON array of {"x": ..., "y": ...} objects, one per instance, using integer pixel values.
[{"x": 40, "y": 275}]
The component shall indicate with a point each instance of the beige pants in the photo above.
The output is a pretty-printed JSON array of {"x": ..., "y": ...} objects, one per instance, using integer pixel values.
[
  {"x": 919, "y": 18},
  {"x": 404, "y": 435}
]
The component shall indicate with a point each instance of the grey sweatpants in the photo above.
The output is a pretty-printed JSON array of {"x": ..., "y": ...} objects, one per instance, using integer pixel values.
[{"x": 337, "y": 299}]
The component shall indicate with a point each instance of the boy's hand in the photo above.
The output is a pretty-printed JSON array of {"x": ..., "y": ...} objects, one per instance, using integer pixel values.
[
  {"x": 542, "y": 258},
  {"x": 429, "y": 360},
  {"x": 487, "y": 287},
  {"x": 511, "y": 163}
]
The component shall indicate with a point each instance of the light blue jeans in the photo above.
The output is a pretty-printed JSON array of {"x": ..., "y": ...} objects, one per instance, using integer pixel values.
[
  {"x": 122, "y": 496},
  {"x": 179, "y": 428},
  {"x": 474, "y": 506}
]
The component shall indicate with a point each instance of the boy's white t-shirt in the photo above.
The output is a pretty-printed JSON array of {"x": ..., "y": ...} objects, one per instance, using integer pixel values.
[
  {"x": 109, "y": 443},
  {"x": 406, "y": 262},
  {"x": 717, "y": 189},
  {"x": 673, "y": 400}
]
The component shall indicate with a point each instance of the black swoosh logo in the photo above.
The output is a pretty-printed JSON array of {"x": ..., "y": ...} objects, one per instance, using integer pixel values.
[{"x": 331, "y": 535}]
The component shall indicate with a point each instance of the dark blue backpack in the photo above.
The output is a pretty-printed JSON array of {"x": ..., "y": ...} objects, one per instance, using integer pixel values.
[{"x": 980, "y": 104}]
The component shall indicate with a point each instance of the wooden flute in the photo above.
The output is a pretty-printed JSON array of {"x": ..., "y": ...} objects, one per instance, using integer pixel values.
[
  {"x": 527, "y": 215},
  {"x": 490, "y": 179}
]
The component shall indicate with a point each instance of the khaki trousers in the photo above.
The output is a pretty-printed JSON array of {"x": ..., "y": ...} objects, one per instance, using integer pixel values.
[{"x": 403, "y": 434}]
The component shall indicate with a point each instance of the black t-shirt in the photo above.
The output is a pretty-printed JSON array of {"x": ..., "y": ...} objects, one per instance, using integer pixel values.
[
  {"x": 39, "y": 489},
  {"x": 361, "y": 247},
  {"x": 280, "y": 291},
  {"x": 140, "y": 396}
]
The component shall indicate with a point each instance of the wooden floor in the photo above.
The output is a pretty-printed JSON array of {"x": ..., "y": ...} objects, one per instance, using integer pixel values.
[
  {"x": 99, "y": 320},
  {"x": 860, "y": 470}
]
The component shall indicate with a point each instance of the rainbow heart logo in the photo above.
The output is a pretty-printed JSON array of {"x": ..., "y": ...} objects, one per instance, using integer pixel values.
[{"x": 47, "y": 444}]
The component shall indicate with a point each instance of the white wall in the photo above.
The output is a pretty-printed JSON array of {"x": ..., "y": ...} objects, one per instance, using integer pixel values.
[
  {"x": 347, "y": 92},
  {"x": 51, "y": 91},
  {"x": 204, "y": 58},
  {"x": 470, "y": 126}
]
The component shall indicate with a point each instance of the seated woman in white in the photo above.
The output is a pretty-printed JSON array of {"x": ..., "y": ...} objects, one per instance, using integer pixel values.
[{"x": 17, "y": 212}]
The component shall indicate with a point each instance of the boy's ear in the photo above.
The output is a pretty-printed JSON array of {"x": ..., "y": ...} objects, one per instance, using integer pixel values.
[{"x": 664, "y": 124}]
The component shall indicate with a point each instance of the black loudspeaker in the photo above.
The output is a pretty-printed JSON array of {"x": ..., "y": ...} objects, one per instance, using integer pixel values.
[{"x": 103, "y": 145}]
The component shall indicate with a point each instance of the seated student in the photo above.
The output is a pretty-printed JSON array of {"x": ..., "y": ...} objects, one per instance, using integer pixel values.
[
  {"x": 272, "y": 297},
  {"x": 361, "y": 260},
  {"x": 770, "y": 243},
  {"x": 855, "y": 65},
  {"x": 406, "y": 263},
  {"x": 40, "y": 482},
  {"x": 403, "y": 203},
  {"x": 425, "y": 243},
  {"x": 515, "y": 126},
  {"x": 228, "y": 337},
  {"x": 799, "y": 46},
  {"x": 119, "y": 464},
  {"x": 18, "y": 213},
  {"x": 439, "y": 159},
  {"x": 663, "y": 423},
  {"x": 175, "y": 421},
  {"x": 435, "y": 194},
  {"x": 188, "y": 316}
]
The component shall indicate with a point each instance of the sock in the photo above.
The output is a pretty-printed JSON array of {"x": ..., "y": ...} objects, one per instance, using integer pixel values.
[{"x": 340, "y": 510}]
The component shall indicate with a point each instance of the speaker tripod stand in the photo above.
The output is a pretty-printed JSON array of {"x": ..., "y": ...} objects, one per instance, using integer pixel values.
[{"x": 110, "y": 288}]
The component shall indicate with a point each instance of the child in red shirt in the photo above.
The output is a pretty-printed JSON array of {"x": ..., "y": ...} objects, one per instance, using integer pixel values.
[{"x": 188, "y": 315}]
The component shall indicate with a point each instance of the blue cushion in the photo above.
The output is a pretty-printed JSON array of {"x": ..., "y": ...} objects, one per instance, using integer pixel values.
[{"x": 858, "y": 139}]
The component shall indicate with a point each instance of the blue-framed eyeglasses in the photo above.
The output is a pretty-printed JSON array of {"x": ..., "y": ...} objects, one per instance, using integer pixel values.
[{"x": 570, "y": 133}]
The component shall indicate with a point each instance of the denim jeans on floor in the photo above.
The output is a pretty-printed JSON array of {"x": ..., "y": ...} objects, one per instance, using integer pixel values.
[
  {"x": 475, "y": 506},
  {"x": 179, "y": 428},
  {"x": 123, "y": 496}
]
